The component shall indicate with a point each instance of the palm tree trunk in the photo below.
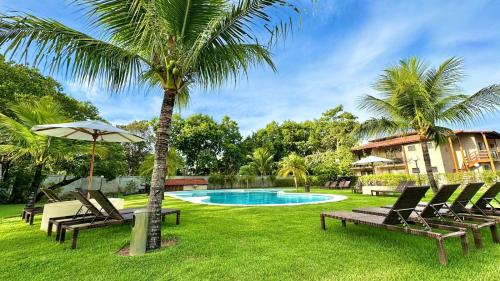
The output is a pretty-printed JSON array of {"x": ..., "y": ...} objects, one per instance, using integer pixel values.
[
  {"x": 296, "y": 185},
  {"x": 159, "y": 170},
  {"x": 35, "y": 184},
  {"x": 428, "y": 166}
]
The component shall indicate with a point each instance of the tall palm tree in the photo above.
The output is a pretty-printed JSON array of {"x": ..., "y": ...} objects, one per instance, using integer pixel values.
[
  {"x": 416, "y": 98},
  {"x": 22, "y": 142},
  {"x": 296, "y": 166},
  {"x": 172, "y": 44},
  {"x": 262, "y": 161}
]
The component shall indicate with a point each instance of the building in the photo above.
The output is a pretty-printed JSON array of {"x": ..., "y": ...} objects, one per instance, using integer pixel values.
[
  {"x": 466, "y": 151},
  {"x": 186, "y": 184}
]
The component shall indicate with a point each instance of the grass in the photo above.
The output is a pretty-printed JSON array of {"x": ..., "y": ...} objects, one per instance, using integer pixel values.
[{"x": 243, "y": 243}]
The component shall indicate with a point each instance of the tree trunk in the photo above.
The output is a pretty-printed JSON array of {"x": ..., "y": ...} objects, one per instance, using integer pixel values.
[
  {"x": 296, "y": 185},
  {"x": 35, "y": 185},
  {"x": 159, "y": 171},
  {"x": 428, "y": 166}
]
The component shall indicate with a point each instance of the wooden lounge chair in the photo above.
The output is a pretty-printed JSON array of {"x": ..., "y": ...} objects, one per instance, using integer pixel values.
[
  {"x": 399, "y": 189},
  {"x": 341, "y": 184},
  {"x": 484, "y": 204},
  {"x": 357, "y": 188},
  {"x": 86, "y": 213},
  {"x": 432, "y": 213},
  {"x": 51, "y": 195},
  {"x": 398, "y": 220},
  {"x": 327, "y": 184},
  {"x": 112, "y": 216},
  {"x": 344, "y": 184},
  {"x": 28, "y": 214},
  {"x": 333, "y": 185}
]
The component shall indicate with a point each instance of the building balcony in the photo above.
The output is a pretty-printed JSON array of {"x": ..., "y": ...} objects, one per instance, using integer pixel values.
[{"x": 481, "y": 156}]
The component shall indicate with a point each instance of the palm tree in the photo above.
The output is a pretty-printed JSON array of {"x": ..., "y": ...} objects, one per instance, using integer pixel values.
[
  {"x": 22, "y": 142},
  {"x": 262, "y": 161},
  {"x": 415, "y": 98},
  {"x": 174, "y": 160},
  {"x": 295, "y": 165},
  {"x": 175, "y": 45}
]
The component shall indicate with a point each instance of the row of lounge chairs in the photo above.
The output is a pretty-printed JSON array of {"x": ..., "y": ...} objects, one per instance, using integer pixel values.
[
  {"x": 423, "y": 219},
  {"x": 342, "y": 184},
  {"x": 91, "y": 216}
]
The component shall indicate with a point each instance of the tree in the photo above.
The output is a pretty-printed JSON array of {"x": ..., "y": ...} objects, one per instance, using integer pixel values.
[
  {"x": 425, "y": 100},
  {"x": 208, "y": 146},
  {"x": 20, "y": 83},
  {"x": 262, "y": 161},
  {"x": 22, "y": 142},
  {"x": 296, "y": 166},
  {"x": 135, "y": 153},
  {"x": 174, "y": 160},
  {"x": 175, "y": 45}
]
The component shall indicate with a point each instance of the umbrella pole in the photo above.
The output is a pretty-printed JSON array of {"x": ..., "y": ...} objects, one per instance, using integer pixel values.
[{"x": 91, "y": 174}]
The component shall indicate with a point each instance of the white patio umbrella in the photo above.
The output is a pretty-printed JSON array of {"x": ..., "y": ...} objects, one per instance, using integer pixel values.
[
  {"x": 372, "y": 160},
  {"x": 91, "y": 130}
]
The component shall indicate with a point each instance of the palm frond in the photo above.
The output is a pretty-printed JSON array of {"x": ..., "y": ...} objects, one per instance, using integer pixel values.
[
  {"x": 377, "y": 106},
  {"x": 64, "y": 49},
  {"x": 474, "y": 107},
  {"x": 240, "y": 25},
  {"x": 376, "y": 127},
  {"x": 444, "y": 79}
]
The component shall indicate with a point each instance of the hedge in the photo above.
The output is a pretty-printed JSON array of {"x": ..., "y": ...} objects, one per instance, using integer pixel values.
[{"x": 488, "y": 177}]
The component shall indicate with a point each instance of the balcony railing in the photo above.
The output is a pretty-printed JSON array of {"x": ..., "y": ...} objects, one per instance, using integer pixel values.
[{"x": 481, "y": 156}]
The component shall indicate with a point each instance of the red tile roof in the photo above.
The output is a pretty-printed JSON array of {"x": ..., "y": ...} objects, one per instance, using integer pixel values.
[
  {"x": 176, "y": 182},
  {"x": 401, "y": 139}
]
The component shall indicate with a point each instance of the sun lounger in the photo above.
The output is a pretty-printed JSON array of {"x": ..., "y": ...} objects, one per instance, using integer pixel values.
[
  {"x": 28, "y": 214},
  {"x": 327, "y": 184},
  {"x": 484, "y": 204},
  {"x": 333, "y": 185},
  {"x": 398, "y": 220},
  {"x": 95, "y": 218},
  {"x": 399, "y": 189},
  {"x": 432, "y": 213},
  {"x": 51, "y": 195}
]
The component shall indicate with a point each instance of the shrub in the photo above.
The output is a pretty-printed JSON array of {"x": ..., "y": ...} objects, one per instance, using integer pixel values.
[
  {"x": 287, "y": 182},
  {"x": 390, "y": 179}
]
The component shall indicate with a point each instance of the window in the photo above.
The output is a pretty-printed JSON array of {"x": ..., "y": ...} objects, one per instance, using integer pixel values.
[
  {"x": 434, "y": 169},
  {"x": 415, "y": 170},
  {"x": 411, "y": 148},
  {"x": 481, "y": 145}
]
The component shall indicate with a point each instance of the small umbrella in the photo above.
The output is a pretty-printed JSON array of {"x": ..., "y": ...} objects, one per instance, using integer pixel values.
[
  {"x": 90, "y": 130},
  {"x": 371, "y": 160}
]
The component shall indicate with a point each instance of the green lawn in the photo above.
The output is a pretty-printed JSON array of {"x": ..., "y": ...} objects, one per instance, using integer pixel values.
[{"x": 243, "y": 243}]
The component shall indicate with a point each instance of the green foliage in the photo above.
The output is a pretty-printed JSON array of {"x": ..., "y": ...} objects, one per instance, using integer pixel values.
[
  {"x": 208, "y": 146},
  {"x": 334, "y": 129},
  {"x": 287, "y": 182},
  {"x": 390, "y": 179},
  {"x": 296, "y": 166},
  {"x": 136, "y": 152},
  {"x": 330, "y": 164},
  {"x": 20, "y": 83},
  {"x": 220, "y": 180},
  {"x": 261, "y": 161},
  {"x": 175, "y": 164}
]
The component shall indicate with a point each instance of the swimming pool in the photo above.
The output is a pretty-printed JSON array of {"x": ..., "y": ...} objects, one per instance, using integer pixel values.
[{"x": 252, "y": 197}]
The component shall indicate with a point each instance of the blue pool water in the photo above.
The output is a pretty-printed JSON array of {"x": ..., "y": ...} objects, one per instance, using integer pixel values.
[{"x": 255, "y": 197}]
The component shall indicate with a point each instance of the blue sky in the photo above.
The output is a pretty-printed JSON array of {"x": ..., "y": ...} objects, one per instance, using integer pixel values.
[{"x": 336, "y": 57}]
